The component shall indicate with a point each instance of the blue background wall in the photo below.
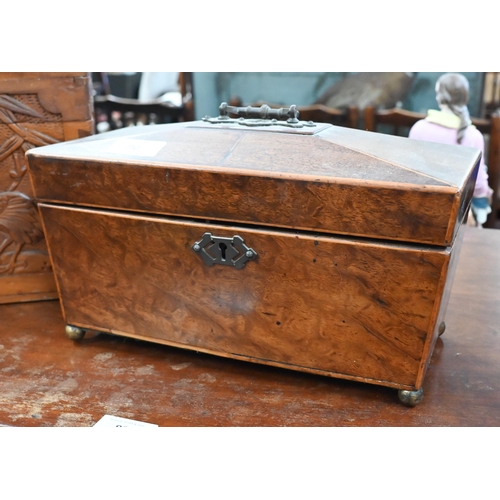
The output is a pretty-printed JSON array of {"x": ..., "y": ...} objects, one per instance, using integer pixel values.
[{"x": 210, "y": 89}]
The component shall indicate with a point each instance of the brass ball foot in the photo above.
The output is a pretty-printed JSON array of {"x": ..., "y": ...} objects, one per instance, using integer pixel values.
[
  {"x": 442, "y": 328},
  {"x": 74, "y": 333},
  {"x": 411, "y": 398}
]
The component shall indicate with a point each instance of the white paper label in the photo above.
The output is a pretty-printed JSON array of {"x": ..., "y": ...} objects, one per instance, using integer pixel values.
[
  {"x": 112, "y": 421},
  {"x": 136, "y": 147}
]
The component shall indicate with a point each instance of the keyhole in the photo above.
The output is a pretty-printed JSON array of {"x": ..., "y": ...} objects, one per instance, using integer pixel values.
[{"x": 222, "y": 248}]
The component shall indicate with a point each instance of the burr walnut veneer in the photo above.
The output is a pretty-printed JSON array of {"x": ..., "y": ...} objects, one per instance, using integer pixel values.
[
  {"x": 321, "y": 249},
  {"x": 36, "y": 109}
]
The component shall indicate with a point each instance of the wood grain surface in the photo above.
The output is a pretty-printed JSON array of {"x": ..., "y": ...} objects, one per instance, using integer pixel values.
[
  {"x": 47, "y": 380},
  {"x": 66, "y": 94},
  {"x": 369, "y": 185},
  {"x": 36, "y": 109},
  {"x": 340, "y": 307}
]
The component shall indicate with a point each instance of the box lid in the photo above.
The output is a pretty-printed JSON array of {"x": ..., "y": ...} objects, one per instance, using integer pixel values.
[{"x": 321, "y": 178}]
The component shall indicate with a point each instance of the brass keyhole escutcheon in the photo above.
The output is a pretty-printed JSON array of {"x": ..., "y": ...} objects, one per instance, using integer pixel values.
[{"x": 225, "y": 251}]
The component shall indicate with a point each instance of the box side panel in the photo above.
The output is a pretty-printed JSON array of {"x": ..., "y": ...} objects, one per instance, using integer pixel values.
[
  {"x": 359, "y": 209},
  {"x": 462, "y": 206},
  {"x": 438, "y": 324},
  {"x": 319, "y": 304}
]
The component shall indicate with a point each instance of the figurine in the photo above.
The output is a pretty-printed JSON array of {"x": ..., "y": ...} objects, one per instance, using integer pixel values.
[{"x": 452, "y": 125}]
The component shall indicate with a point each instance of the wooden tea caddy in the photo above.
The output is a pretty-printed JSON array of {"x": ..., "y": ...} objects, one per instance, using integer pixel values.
[{"x": 301, "y": 245}]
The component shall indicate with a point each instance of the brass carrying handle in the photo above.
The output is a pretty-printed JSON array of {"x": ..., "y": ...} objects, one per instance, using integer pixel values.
[{"x": 291, "y": 114}]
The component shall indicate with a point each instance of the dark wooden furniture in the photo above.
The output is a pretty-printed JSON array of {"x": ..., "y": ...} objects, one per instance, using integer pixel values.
[
  {"x": 492, "y": 129},
  {"x": 35, "y": 109},
  {"x": 120, "y": 112},
  {"x": 308, "y": 246},
  {"x": 348, "y": 117},
  {"x": 399, "y": 121},
  {"x": 491, "y": 94},
  {"x": 48, "y": 381}
]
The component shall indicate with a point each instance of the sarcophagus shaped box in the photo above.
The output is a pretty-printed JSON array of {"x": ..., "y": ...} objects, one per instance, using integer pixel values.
[{"x": 305, "y": 246}]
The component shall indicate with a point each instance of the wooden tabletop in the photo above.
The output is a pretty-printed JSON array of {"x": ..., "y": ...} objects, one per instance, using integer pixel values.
[{"x": 47, "y": 380}]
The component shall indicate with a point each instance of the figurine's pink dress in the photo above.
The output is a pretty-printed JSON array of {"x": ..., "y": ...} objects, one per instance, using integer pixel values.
[{"x": 427, "y": 130}]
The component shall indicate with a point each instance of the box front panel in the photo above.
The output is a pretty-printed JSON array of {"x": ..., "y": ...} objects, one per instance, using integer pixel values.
[{"x": 315, "y": 303}]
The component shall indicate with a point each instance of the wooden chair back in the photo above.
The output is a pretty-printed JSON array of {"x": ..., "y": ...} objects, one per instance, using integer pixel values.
[
  {"x": 398, "y": 120},
  {"x": 348, "y": 117},
  {"x": 120, "y": 112},
  {"x": 320, "y": 113}
]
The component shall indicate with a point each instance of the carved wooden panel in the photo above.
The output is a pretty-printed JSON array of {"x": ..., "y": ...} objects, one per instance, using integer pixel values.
[{"x": 36, "y": 109}]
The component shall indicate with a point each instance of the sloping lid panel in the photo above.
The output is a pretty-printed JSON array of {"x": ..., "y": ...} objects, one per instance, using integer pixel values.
[
  {"x": 446, "y": 164},
  {"x": 336, "y": 181}
]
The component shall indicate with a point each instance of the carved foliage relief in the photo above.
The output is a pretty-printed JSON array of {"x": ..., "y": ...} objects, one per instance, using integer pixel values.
[{"x": 24, "y": 124}]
